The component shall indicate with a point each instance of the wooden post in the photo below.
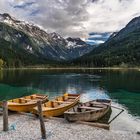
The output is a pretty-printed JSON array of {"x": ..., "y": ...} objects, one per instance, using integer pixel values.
[
  {"x": 5, "y": 115},
  {"x": 42, "y": 124},
  {"x": 100, "y": 125}
]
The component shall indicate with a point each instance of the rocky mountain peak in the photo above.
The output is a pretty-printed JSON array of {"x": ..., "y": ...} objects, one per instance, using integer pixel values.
[
  {"x": 134, "y": 22},
  {"x": 38, "y": 42},
  {"x": 78, "y": 41},
  {"x": 6, "y": 15},
  {"x": 55, "y": 36},
  {"x": 8, "y": 19}
]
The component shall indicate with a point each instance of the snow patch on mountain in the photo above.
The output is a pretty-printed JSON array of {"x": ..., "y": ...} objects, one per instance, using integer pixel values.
[{"x": 41, "y": 43}]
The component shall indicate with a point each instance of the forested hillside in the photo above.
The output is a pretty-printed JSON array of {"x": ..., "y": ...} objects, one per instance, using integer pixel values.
[{"x": 121, "y": 49}]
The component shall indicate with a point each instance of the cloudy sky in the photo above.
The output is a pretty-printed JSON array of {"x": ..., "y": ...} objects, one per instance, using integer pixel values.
[{"x": 76, "y": 18}]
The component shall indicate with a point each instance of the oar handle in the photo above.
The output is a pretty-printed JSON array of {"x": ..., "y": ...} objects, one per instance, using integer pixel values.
[{"x": 112, "y": 106}]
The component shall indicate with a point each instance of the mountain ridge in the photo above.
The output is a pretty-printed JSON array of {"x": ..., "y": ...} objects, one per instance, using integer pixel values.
[
  {"x": 121, "y": 49},
  {"x": 37, "y": 42}
]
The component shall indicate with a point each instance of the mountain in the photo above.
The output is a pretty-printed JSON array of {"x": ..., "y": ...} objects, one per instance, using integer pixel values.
[
  {"x": 22, "y": 43},
  {"x": 121, "y": 49}
]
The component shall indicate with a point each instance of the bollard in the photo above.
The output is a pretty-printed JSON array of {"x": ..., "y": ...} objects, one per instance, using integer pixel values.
[
  {"x": 5, "y": 115},
  {"x": 42, "y": 124}
]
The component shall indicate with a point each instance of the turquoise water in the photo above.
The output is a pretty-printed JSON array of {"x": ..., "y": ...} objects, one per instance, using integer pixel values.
[{"x": 123, "y": 87}]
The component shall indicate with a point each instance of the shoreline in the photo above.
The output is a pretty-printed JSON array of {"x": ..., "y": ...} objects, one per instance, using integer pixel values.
[
  {"x": 27, "y": 127},
  {"x": 72, "y": 68}
]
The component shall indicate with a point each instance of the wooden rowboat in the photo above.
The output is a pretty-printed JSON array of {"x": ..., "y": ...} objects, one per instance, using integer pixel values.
[
  {"x": 26, "y": 103},
  {"x": 89, "y": 111},
  {"x": 59, "y": 105}
]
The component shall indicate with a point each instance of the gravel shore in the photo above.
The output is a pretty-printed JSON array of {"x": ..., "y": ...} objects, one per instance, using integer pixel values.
[{"x": 23, "y": 127}]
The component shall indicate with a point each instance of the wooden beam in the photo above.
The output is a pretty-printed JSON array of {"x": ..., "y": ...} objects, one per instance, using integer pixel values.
[
  {"x": 5, "y": 115},
  {"x": 99, "y": 125},
  {"x": 42, "y": 124},
  {"x": 90, "y": 108},
  {"x": 64, "y": 102}
]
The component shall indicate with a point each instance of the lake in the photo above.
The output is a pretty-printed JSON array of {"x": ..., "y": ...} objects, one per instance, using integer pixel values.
[{"x": 122, "y": 86}]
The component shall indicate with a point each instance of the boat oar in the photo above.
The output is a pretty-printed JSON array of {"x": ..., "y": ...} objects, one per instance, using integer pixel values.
[
  {"x": 112, "y": 106},
  {"x": 108, "y": 105},
  {"x": 99, "y": 125},
  {"x": 115, "y": 116},
  {"x": 122, "y": 110}
]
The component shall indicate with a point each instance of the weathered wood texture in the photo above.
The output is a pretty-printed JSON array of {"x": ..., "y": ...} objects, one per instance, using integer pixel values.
[
  {"x": 42, "y": 124},
  {"x": 5, "y": 115},
  {"x": 99, "y": 125}
]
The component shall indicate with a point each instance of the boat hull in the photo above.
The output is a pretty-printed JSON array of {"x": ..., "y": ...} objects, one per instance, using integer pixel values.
[
  {"x": 90, "y": 115},
  {"x": 21, "y": 108},
  {"x": 56, "y": 111},
  {"x": 29, "y": 102}
]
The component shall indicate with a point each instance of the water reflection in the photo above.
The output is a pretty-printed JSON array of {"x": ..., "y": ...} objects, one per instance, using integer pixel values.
[
  {"x": 131, "y": 100},
  {"x": 95, "y": 93},
  {"x": 1, "y": 75},
  {"x": 121, "y": 86},
  {"x": 9, "y": 92}
]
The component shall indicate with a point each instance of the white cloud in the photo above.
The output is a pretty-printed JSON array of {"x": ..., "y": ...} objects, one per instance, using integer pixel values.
[
  {"x": 96, "y": 36},
  {"x": 111, "y": 15},
  {"x": 74, "y": 17},
  {"x": 95, "y": 41}
]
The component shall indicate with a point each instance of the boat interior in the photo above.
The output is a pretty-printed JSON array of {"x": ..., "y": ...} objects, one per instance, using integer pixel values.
[
  {"x": 27, "y": 99},
  {"x": 94, "y": 105},
  {"x": 61, "y": 101}
]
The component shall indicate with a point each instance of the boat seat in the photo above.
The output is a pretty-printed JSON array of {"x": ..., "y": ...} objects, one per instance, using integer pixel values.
[
  {"x": 100, "y": 103},
  {"x": 25, "y": 99},
  {"x": 71, "y": 97},
  {"x": 22, "y": 101},
  {"x": 41, "y": 97},
  {"x": 90, "y": 108},
  {"x": 98, "y": 106},
  {"x": 62, "y": 102},
  {"x": 37, "y": 96},
  {"x": 71, "y": 100}
]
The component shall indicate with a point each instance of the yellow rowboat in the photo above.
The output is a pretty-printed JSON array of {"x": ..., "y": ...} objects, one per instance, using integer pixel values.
[
  {"x": 59, "y": 105},
  {"x": 26, "y": 103}
]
